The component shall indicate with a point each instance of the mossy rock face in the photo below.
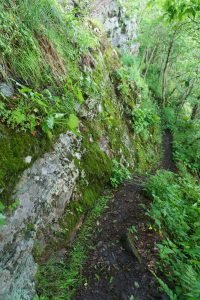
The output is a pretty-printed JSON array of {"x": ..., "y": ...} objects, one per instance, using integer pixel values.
[
  {"x": 14, "y": 148},
  {"x": 96, "y": 166}
]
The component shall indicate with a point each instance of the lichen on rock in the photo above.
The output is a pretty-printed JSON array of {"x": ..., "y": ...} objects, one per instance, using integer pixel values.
[
  {"x": 43, "y": 191},
  {"x": 57, "y": 178}
]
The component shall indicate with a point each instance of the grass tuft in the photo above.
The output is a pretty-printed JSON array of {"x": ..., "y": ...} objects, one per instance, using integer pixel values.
[{"x": 60, "y": 279}]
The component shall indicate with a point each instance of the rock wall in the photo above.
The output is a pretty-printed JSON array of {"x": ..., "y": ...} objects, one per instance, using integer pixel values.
[
  {"x": 43, "y": 191},
  {"x": 78, "y": 165},
  {"x": 76, "y": 169},
  {"x": 120, "y": 28}
]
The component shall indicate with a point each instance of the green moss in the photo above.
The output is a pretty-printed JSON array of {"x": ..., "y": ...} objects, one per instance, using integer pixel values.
[
  {"x": 59, "y": 280},
  {"x": 97, "y": 167},
  {"x": 89, "y": 196},
  {"x": 115, "y": 124},
  {"x": 77, "y": 209},
  {"x": 148, "y": 155},
  {"x": 14, "y": 149},
  {"x": 38, "y": 249},
  {"x": 96, "y": 163},
  {"x": 111, "y": 59}
]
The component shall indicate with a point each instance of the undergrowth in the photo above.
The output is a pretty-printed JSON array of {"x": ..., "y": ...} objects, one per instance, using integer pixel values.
[
  {"x": 59, "y": 279},
  {"x": 32, "y": 41},
  {"x": 47, "y": 82},
  {"x": 143, "y": 112},
  {"x": 176, "y": 213},
  {"x": 186, "y": 139},
  {"x": 119, "y": 174},
  {"x": 32, "y": 110}
]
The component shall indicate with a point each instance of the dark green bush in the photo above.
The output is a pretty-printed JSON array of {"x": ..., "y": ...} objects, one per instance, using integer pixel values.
[{"x": 176, "y": 213}]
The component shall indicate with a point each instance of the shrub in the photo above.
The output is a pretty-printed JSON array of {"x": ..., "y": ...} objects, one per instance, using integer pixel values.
[
  {"x": 175, "y": 211},
  {"x": 145, "y": 122},
  {"x": 187, "y": 144},
  {"x": 119, "y": 174}
]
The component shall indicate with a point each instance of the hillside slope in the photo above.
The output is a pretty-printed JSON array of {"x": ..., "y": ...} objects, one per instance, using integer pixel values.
[{"x": 65, "y": 114}]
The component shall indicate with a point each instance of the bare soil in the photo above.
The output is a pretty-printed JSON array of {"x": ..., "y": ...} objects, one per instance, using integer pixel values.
[{"x": 111, "y": 271}]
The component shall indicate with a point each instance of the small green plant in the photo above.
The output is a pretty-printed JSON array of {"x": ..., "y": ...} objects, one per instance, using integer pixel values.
[
  {"x": 164, "y": 287},
  {"x": 132, "y": 229},
  {"x": 175, "y": 211},
  {"x": 31, "y": 110},
  {"x": 14, "y": 205},
  {"x": 144, "y": 122},
  {"x": 73, "y": 123},
  {"x": 65, "y": 278},
  {"x": 119, "y": 174},
  {"x": 10, "y": 208},
  {"x": 187, "y": 144},
  {"x": 2, "y": 217}
]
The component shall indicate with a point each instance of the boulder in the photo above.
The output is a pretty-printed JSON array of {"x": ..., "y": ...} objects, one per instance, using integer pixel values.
[{"x": 6, "y": 89}]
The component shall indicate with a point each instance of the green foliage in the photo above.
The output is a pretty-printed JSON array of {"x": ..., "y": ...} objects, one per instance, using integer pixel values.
[
  {"x": 144, "y": 122},
  {"x": 59, "y": 280},
  {"x": 2, "y": 217},
  {"x": 33, "y": 53},
  {"x": 167, "y": 55},
  {"x": 186, "y": 138},
  {"x": 119, "y": 174},
  {"x": 169, "y": 118},
  {"x": 143, "y": 111},
  {"x": 179, "y": 9},
  {"x": 13, "y": 205},
  {"x": 164, "y": 287},
  {"x": 73, "y": 122},
  {"x": 141, "y": 108},
  {"x": 128, "y": 60},
  {"x": 131, "y": 85},
  {"x": 31, "y": 110},
  {"x": 147, "y": 155},
  {"x": 15, "y": 147},
  {"x": 27, "y": 26},
  {"x": 132, "y": 229},
  {"x": 187, "y": 144},
  {"x": 10, "y": 209},
  {"x": 175, "y": 211}
]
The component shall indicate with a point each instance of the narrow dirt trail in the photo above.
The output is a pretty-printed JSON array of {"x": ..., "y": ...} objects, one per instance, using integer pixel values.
[
  {"x": 112, "y": 272},
  {"x": 168, "y": 162}
]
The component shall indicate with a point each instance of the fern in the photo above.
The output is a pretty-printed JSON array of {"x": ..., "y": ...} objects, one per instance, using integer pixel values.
[
  {"x": 165, "y": 288},
  {"x": 73, "y": 123}
]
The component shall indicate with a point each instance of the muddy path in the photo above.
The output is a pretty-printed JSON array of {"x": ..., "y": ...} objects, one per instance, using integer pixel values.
[
  {"x": 168, "y": 162},
  {"x": 112, "y": 271}
]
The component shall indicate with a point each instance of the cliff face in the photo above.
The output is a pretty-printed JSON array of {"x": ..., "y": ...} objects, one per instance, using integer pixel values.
[
  {"x": 121, "y": 28},
  {"x": 74, "y": 169},
  {"x": 118, "y": 22},
  {"x": 56, "y": 161},
  {"x": 43, "y": 191}
]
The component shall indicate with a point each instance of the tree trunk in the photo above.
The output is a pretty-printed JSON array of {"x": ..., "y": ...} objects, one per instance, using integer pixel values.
[
  {"x": 194, "y": 111},
  {"x": 164, "y": 77}
]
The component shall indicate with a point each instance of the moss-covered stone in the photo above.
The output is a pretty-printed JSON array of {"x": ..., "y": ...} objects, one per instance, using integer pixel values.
[
  {"x": 78, "y": 68},
  {"x": 97, "y": 168},
  {"x": 14, "y": 148}
]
